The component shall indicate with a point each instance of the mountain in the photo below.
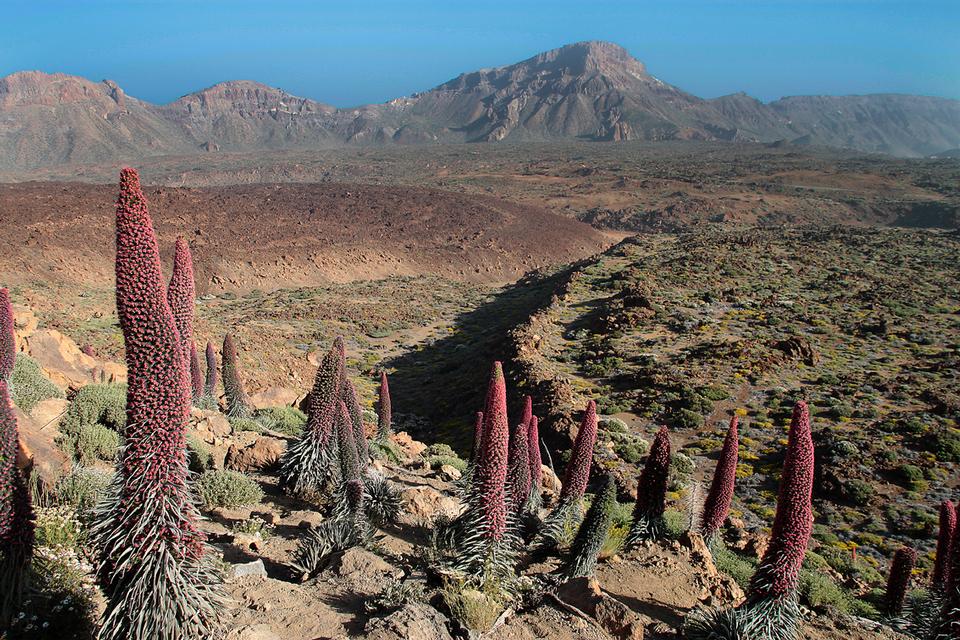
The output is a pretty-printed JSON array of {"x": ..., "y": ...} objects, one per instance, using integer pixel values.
[{"x": 589, "y": 90}]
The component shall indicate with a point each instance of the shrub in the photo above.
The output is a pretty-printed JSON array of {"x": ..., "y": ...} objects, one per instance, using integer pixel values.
[
  {"x": 81, "y": 489},
  {"x": 474, "y": 609},
  {"x": 225, "y": 488},
  {"x": 858, "y": 492},
  {"x": 58, "y": 527},
  {"x": 62, "y": 601},
  {"x": 286, "y": 420},
  {"x": 686, "y": 419},
  {"x": 912, "y": 476},
  {"x": 97, "y": 442},
  {"x": 29, "y": 386},
  {"x": 95, "y": 404},
  {"x": 246, "y": 424},
  {"x": 199, "y": 456}
]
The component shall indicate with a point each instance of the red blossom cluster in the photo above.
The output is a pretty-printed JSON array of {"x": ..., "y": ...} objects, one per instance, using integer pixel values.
[
  {"x": 477, "y": 437},
  {"x": 577, "y": 473},
  {"x": 181, "y": 293},
  {"x": 154, "y": 508},
  {"x": 533, "y": 451},
  {"x": 16, "y": 513},
  {"x": 384, "y": 409},
  {"x": 518, "y": 465},
  {"x": 717, "y": 505},
  {"x": 898, "y": 582},
  {"x": 324, "y": 395},
  {"x": 945, "y": 541},
  {"x": 235, "y": 394},
  {"x": 8, "y": 343},
  {"x": 348, "y": 394},
  {"x": 210, "y": 386},
  {"x": 779, "y": 569},
  {"x": 491, "y": 469},
  {"x": 652, "y": 483}
]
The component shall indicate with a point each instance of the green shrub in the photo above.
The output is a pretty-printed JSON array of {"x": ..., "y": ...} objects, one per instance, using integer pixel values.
[
  {"x": 631, "y": 452},
  {"x": 29, "y": 386},
  {"x": 61, "y": 603},
  {"x": 912, "y": 476},
  {"x": 81, "y": 489},
  {"x": 457, "y": 463},
  {"x": 199, "y": 456},
  {"x": 224, "y": 488},
  {"x": 614, "y": 425},
  {"x": 738, "y": 567},
  {"x": 946, "y": 445},
  {"x": 288, "y": 420},
  {"x": 686, "y": 419},
  {"x": 105, "y": 404},
  {"x": 675, "y": 523},
  {"x": 97, "y": 442},
  {"x": 858, "y": 492},
  {"x": 246, "y": 424}
]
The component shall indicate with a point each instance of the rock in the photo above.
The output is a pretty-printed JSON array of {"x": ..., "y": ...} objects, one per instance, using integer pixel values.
[
  {"x": 38, "y": 449},
  {"x": 25, "y": 323},
  {"x": 275, "y": 397},
  {"x": 410, "y": 622},
  {"x": 66, "y": 365},
  {"x": 449, "y": 472},
  {"x": 424, "y": 503},
  {"x": 412, "y": 448},
  {"x": 614, "y": 616},
  {"x": 303, "y": 519},
  {"x": 550, "y": 480},
  {"x": 47, "y": 413},
  {"x": 263, "y": 453},
  {"x": 209, "y": 426},
  {"x": 255, "y": 568},
  {"x": 364, "y": 572}
]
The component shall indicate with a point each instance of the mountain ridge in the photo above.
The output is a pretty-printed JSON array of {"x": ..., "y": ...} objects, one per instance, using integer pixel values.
[{"x": 590, "y": 90}]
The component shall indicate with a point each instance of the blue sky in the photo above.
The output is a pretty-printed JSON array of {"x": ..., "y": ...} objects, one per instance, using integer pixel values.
[{"x": 347, "y": 53}]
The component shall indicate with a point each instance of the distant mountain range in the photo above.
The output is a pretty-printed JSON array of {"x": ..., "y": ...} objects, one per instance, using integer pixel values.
[{"x": 589, "y": 90}]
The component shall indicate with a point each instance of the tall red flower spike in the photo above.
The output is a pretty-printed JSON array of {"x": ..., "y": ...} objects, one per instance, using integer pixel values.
[
  {"x": 210, "y": 385},
  {"x": 577, "y": 474},
  {"x": 533, "y": 450},
  {"x": 949, "y": 624},
  {"x": 349, "y": 396},
  {"x": 779, "y": 570},
  {"x": 898, "y": 582},
  {"x": 346, "y": 444},
  {"x": 477, "y": 437},
  {"x": 196, "y": 376},
  {"x": 527, "y": 412},
  {"x": 491, "y": 471},
  {"x": 717, "y": 505},
  {"x": 384, "y": 409},
  {"x": 16, "y": 513},
  {"x": 149, "y": 542},
  {"x": 652, "y": 483},
  {"x": 945, "y": 541},
  {"x": 309, "y": 463},
  {"x": 8, "y": 343},
  {"x": 181, "y": 294},
  {"x": 518, "y": 469},
  {"x": 238, "y": 405}
]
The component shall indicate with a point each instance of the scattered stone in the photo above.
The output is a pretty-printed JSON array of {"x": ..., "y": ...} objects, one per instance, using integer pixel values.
[
  {"x": 364, "y": 572},
  {"x": 255, "y": 568},
  {"x": 614, "y": 616},
  {"x": 449, "y": 472},
  {"x": 263, "y": 453},
  {"x": 410, "y": 622},
  {"x": 275, "y": 397},
  {"x": 424, "y": 503}
]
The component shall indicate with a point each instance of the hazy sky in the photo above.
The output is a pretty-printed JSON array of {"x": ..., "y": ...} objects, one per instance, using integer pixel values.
[{"x": 348, "y": 53}]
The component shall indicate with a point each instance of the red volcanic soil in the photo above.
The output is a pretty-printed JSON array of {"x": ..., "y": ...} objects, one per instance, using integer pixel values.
[{"x": 273, "y": 236}]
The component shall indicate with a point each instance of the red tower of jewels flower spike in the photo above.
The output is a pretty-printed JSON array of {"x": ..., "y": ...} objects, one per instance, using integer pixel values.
[{"x": 717, "y": 505}]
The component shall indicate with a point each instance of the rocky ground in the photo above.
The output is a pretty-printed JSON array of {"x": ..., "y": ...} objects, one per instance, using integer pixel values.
[{"x": 392, "y": 589}]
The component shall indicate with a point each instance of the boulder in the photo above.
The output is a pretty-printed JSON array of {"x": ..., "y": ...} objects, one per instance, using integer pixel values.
[
  {"x": 263, "y": 453},
  {"x": 424, "y": 503},
  {"x": 410, "y": 622},
  {"x": 275, "y": 397},
  {"x": 412, "y": 448},
  {"x": 449, "y": 472},
  {"x": 255, "y": 568},
  {"x": 66, "y": 365},
  {"x": 363, "y": 572},
  {"x": 615, "y": 617},
  {"x": 38, "y": 449}
]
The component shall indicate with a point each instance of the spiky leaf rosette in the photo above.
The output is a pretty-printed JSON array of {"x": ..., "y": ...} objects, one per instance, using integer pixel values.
[
  {"x": 518, "y": 470},
  {"x": 945, "y": 540},
  {"x": 196, "y": 376},
  {"x": 348, "y": 393},
  {"x": 575, "y": 478},
  {"x": 714, "y": 623},
  {"x": 16, "y": 514},
  {"x": 210, "y": 384},
  {"x": 181, "y": 293},
  {"x": 238, "y": 405},
  {"x": 310, "y": 463},
  {"x": 898, "y": 582},
  {"x": 384, "y": 409},
  {"x": 536, "y": 465},
  {"x": 717, "y": 505},
  {"x": 652, "y": 491},
  {"x": 593, "y": 531},
  {"x": 772, "y": 596},
  {"x": 486, "y": 542},
  {"x": 152, "y": 556},
  {"x": 8, "y": 343}
]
